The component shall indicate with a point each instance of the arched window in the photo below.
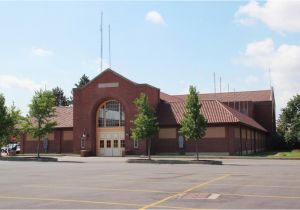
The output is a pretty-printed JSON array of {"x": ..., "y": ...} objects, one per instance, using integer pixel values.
[{"x": 111, "y": 114}]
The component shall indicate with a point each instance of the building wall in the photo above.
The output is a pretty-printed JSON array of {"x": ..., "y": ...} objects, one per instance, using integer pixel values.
[
  {"x": 59, "y": 141},
  {"x": 229, "y": 139},
  {"x": 248, "y": 140},
  {"x": 218, "y": 139},
  {"x": 88, "y": 99}
]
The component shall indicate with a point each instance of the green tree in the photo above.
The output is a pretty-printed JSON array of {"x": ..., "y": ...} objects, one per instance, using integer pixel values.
[
  {"x": 39, "y": 121},
  {"x": 82, "y": 81},
  {"x": 60, "y": 98},
  {"x": 6, "y": 123},
  {"x": 16, "y": 117},
  {"x": 288, "y": 125},
  {"x": 193, "y": 123},
  {"x": 145, "y": 124}
]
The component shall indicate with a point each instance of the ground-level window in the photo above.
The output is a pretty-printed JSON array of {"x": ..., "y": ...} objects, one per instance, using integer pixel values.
[
  {"x": 180, "y": 142},
  {"x": 82, "y": 142},
  {"x": 135, "y": 143},
  {"x": 122, "y": 143},
  {"x": 108, "y": 144},
  {"x": 101, "y": 143},
  {"x": 116, "y": 143}
]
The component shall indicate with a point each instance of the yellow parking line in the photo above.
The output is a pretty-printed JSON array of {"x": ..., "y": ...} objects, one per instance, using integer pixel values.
[
  {"x": 255, "y": 185},
  {"x": 262, "y": 196},
  {"x": 184, "y": 192},
  {"x": 68, "y": 200},
  {"x": 179, "y": 207},
  {"x": 100, "y": 188},
  {"x": 89, "y": 202}
]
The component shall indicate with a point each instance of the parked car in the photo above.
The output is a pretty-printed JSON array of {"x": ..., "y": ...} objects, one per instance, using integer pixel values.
[{"x": 9, "y": 147}]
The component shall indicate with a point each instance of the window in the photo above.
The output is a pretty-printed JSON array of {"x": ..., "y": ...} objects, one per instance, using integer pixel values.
[
  {"x": 122, "y": 143},
  {"x": 116, "y": 143},
  {"x": 101, "y": 117},
  {"x": 108, "y": 144},
  {"x": 82, "y": 143},
  {"x": 135, "y": 143},
  {"x": 111, "y": 114},
  {"x": 101, "y": 143},
  {"x": 180, "y": 142}
]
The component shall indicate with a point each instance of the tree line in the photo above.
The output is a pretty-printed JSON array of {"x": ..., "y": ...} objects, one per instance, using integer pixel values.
[{"x": 39, "y": 120}]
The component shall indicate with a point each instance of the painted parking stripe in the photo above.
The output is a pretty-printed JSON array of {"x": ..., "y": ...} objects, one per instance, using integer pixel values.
[
  {"x": 256, "y": 185},
  {"x": 68, "y": 200},
  {"x": 151, "y": 205},
  {"x": 262, "y": 196},
  {"x": 91, "y": 202},
  {"x": 99, "y": 188}
]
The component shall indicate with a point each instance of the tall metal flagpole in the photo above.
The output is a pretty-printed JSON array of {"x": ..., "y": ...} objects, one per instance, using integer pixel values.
[
  {"x": 101, "y": 32},
  {"x": 220, "y": 84},
  {"x": 109, "y": 46},
  {"x": 215, "y": 82}
]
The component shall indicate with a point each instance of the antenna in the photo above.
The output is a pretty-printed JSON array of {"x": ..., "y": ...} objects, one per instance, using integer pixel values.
[
  {"x": 220, "y": 84},
  {"x": 270, "y": 77},
  {"x": 234, "y": 98},
  {"x": 109, "y": 46},
  {"x": 101, "y": 33},
  {"x": 228, "y": 87},
  {"x": 215, "y": 82}
]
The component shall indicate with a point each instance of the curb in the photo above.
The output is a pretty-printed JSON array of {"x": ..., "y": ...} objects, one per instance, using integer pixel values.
[
  {"x": 207, "y": 162},
  {"x": 41, "y": 159},
  {"x": 231, "y": 157}
]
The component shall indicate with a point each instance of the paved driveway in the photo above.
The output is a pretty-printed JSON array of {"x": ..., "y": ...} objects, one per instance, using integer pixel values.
[{"x": 111, "y": 183}]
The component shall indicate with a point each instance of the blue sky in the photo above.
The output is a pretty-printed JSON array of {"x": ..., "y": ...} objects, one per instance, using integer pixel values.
[{"x": 170, "y": 45}]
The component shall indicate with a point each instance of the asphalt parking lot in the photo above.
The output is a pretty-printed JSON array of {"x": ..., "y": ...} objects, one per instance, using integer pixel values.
[{"x": 110, "y": 183}]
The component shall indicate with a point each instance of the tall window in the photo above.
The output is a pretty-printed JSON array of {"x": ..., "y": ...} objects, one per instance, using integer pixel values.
[{"x": 111, "y": 114}]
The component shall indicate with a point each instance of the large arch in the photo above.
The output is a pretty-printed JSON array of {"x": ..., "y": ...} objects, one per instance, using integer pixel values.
[{"x": 110, "y": 129}]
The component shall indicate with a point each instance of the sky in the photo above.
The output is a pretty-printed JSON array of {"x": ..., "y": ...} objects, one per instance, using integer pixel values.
[{"x": 170, "y": 45}]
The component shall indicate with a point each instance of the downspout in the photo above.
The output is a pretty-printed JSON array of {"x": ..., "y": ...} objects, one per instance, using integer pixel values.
[{"x": 241, "y": 143}]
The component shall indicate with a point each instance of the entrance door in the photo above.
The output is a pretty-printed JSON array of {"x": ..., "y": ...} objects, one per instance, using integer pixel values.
[{"x": 110, "y": 143}]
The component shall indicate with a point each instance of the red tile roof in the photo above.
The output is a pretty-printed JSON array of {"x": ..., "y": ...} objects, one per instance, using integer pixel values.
[
  {"x": 169, "y": 98},
  {"x": 258, "y": 95},
  {"x": 171, "y": 113},
  {"x": 63, "y": 117}
]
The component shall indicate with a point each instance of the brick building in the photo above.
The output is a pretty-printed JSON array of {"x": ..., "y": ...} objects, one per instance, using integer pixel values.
[{"x": 100, "y": 121}]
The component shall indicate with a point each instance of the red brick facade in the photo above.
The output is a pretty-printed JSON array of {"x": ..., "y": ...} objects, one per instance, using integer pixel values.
[
  {"x": 88, "y": 99},
  {"x": 243, "y": 133}
]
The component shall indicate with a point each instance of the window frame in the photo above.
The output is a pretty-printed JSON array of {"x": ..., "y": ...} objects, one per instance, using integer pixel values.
[{"x": 102, "y": 112}]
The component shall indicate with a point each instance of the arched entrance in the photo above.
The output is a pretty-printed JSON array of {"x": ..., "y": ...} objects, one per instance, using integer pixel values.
[{"x": 110, "y": 129}]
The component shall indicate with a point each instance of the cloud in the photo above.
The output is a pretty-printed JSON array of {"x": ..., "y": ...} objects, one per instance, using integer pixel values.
[
  {"x": 154, "y": 17},
  {"x": 8, "y": 81},
  {"x": 284, "y": 62},
  {"x": 41, "y": 52},
  {"x": 281, "y": 16}
]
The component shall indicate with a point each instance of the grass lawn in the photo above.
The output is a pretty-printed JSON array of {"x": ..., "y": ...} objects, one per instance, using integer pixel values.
[{"x": 274, "y": 154}]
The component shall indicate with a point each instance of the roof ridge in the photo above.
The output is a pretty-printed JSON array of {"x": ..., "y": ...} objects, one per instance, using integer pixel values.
[
  {"x": 242, "y": 114},
  {"x": 242, "y": 91},
  {"x": 225, "y": 107}
]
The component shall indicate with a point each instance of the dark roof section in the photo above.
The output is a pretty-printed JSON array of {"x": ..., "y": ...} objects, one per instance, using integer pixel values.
[
  {"x": 171, "y": 113},
  {"x": 118, "y": 75},
  {"x": 168, "y": 98},
  {"x": 64, "y": 116},
  {"x": 257, "y": 95}
]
